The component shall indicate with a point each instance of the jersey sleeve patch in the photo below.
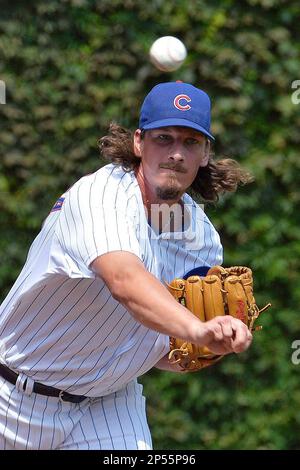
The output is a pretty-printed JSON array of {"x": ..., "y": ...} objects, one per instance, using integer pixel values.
[{"x": 58, "y": 205}]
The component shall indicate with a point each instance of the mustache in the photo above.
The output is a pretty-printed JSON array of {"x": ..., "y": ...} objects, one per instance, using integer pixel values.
[{"x": 174, "y": 166}]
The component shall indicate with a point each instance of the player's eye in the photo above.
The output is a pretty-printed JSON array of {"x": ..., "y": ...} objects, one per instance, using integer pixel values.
[
  {"x": 192, "y": 141},
  {"x": 164, "y": 138}
]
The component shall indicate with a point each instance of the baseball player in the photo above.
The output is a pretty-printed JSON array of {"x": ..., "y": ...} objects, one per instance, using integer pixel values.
[{"x": 89, "y": 312}]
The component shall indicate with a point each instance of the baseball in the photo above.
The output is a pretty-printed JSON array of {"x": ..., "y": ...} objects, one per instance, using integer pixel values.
[{"x": 167, "y": 53}]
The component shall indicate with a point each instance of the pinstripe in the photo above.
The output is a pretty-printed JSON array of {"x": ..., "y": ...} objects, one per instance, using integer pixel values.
[
  {"x": 175, "y": 259},
  {"x": 118, "y": 225},
  {"x": 129, "y": 415},
  {"x": 62, "y": 426},
  {"x": 104, "y": 219},
  {"x": 82, "y": 221},
  {"x": 6, "y": 418},
  {"x": 107, "y": 424},
  {"x": 90, "y": 206},
  {"x": 94, "y": 428},
  {"x": 30, "y": 419},
  {"x": 42, "y": 422},
  {"x": 74, "y": 444},
  {"x": 119, "y": 420},
  {"x": 139, "y": 418},
  {"x": 84, "y": 437},
  {"x": 2, "y": 385},
  {"x": 70, "y": 417},
  {"x": 18, "y": 422},
  {"x": 54, "y": 425},
  {"x": 75, "y": 228},
  {"x": 184, "y": 263},
  {"x": 62, "y": 239},
  {"x": 65, "y": 219},
  {"x": 128, "y": 199},
  {"x": 126, "y": 210},
  {"x": 146, "y": 428},
  {"x": 79, "y": 426},
  {"x": 161, "y": 257},
  {"x": 211, "y": 244}
]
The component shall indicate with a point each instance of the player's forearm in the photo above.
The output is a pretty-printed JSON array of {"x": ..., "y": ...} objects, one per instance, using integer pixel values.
[
  {"x": 152, "y": 305},
  {"x": 147, "y": 299}
]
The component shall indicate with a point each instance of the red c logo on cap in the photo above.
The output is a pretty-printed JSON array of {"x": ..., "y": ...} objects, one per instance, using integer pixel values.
[{"x": 182, "y": 107}]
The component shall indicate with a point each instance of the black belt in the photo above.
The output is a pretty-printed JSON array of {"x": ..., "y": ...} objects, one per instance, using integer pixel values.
[{"x": 39, "y": 388}]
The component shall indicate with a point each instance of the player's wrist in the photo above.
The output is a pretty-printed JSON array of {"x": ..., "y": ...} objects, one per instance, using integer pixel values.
[{"x": 201, "y": 333}]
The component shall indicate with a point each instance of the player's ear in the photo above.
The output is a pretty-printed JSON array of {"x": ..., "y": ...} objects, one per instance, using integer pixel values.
[
  {"x": 137, "y": 143},
  {"x": 206, "y": 153}
]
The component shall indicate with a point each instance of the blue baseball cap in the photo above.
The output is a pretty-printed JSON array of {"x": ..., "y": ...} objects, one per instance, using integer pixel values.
[{"x": 176, "y": 104}]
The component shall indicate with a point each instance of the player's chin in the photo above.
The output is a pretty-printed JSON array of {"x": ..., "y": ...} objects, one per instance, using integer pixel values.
[{"x": 169, "y": 192}]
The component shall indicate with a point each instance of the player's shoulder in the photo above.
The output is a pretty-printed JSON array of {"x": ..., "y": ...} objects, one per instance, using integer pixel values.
[{"x": 108, "y": 178}]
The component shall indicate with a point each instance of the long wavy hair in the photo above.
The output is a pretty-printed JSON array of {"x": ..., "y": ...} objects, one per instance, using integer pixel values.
[{"x": 216, "y": 178}]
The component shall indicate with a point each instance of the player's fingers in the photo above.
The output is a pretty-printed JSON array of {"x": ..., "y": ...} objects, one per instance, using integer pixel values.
[
  {"x": 242, "y": 339},
  {"x": 214, "y": 330},
  {"x": 227, "y": 330},
  {"x": 227, "y": 344}
]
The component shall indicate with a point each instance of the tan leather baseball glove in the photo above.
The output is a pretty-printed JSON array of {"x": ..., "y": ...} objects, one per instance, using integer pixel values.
[{"x": 223, "y": 291}]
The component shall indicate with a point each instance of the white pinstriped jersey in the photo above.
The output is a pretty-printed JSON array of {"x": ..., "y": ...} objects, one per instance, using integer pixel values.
[{"x": 59, "y": 324}]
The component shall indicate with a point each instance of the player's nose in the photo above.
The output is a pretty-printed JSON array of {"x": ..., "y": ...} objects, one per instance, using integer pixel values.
[{"x": 177, "y": 155}]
